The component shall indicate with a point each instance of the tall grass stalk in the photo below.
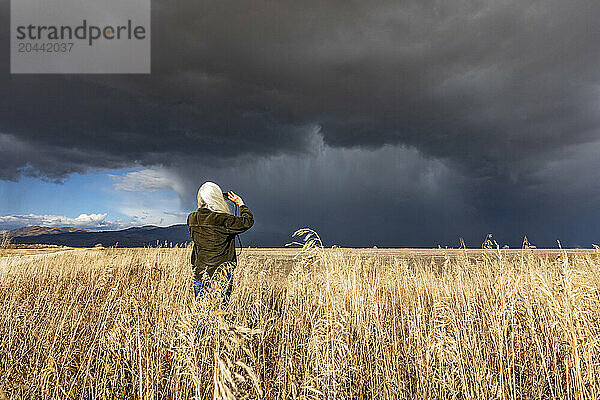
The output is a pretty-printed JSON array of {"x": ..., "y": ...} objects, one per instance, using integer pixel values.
[{"x": 5, "y": 240}]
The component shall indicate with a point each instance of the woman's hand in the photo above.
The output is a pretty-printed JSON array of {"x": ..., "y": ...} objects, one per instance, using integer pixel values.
[{"x": 235, "y": 198}]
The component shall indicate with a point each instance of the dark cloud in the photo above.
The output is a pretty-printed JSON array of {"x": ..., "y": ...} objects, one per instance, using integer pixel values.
[
  {"x": 502, "y": 95},
  {"x": 385, "y": 196}
]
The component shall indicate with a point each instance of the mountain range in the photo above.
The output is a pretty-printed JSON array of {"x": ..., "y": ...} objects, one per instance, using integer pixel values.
[{"x": 142, "y": 236}]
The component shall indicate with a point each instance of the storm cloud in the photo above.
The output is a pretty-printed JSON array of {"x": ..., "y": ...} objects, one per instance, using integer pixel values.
[{"x": 380, "y": 122}]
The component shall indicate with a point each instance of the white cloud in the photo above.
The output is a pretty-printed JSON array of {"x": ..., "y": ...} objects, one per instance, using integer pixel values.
[
  {"x": 148, "y": 180},
  {"x": 83, "y": 221},
  {"x": 139, "y": 199}
]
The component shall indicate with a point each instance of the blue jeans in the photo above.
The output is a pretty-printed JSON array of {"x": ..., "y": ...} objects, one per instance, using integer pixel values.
[{"x": 226, "y": 287}]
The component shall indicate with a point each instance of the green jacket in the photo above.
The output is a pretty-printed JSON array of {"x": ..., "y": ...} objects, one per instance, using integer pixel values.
[{"x": 214, "y": 237}]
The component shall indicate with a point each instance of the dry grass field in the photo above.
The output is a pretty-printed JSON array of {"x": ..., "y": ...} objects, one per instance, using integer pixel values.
[{"x": 307, "y": 323}]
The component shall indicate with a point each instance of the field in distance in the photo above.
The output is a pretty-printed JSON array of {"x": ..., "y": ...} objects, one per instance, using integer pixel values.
[
  {"x": 317, "y": 323},
  {"x": 288, "y": 253},
  {"x": 28, "y": 250}
]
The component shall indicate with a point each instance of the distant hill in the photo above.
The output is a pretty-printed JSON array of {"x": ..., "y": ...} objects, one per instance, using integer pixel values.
[
  {"x": 132, "y": 237},
  {"x": 42, "y": 230}
]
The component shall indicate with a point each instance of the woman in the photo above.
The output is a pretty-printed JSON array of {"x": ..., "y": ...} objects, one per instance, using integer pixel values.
[{"x": 213, "y": 229}]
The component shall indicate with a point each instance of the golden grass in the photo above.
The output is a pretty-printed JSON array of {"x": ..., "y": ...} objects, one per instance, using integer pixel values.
[{"x": 335, "y": 324}]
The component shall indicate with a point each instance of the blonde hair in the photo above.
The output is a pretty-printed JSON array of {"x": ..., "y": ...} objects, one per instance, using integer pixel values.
[{"x": 210, "y": 195}]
